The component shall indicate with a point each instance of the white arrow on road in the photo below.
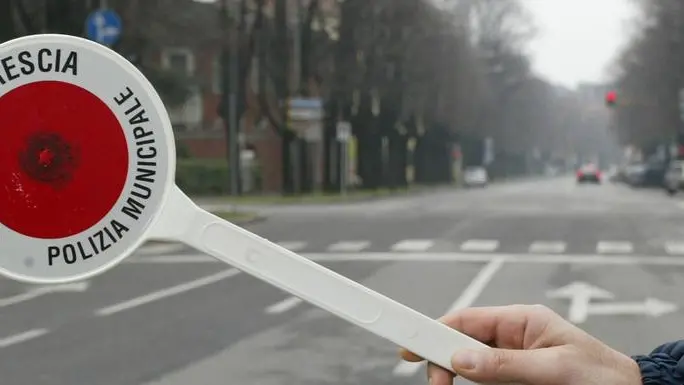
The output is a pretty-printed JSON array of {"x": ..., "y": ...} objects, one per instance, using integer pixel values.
[
  {"x": 652, "y": 307},
  {"x": 580, "y": 295},
  {"x": 76, "y": 287}
]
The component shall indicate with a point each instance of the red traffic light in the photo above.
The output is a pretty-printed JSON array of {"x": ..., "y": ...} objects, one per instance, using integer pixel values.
[{"x": 611, "y": 98}]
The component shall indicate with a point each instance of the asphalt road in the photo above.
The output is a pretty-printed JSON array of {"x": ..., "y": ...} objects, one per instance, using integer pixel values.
[{"x": 170, "y": 316}]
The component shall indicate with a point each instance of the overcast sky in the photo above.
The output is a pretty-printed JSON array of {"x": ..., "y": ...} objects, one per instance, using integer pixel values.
[{"x": 577, "y": 39}]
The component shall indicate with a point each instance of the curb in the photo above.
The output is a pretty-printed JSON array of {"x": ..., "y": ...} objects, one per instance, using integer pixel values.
[{"x": 256, "y": 219}]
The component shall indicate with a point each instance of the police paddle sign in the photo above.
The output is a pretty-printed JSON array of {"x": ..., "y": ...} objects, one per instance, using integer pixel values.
[
  {"x": 85, "y": 161},
  {"x": 87, "y": 167}
]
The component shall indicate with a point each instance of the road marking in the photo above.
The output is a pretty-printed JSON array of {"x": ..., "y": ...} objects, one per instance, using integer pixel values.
[
  {"x": 606, "y": 247},
  {"x": 348, "y": 246},
  {"x": 160, "y": 248},
  {"x": 413, "y": 245},
  {"x": 547, "y": 247},
  {"x": 483, "y": 245},
  {"x": 284, "y": 305},
  {"x": 675, "y": 248},
  {"x": 22, "y": 337},
  {"x": 75, "y": 287},
  {"x": 581, "y": 259},
  {"x": 172, "y": 259},
  {"x": 168, "y": 292},
  {"x": 466, "y": 299},
  {"x": 293, "y": 246},
  {"x": 580, "y": 295},
  {"x": 652, "y": 307}
]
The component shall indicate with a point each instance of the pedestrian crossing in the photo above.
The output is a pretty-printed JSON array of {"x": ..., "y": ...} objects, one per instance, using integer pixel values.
[{"x": 605, "y": 247}]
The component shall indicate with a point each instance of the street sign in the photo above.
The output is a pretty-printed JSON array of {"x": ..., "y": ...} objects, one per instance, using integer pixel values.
[
  {"x": 344, "y": 131},
  {"x": 581, "y": 295},
  {"x": 87, "y": 167},
  {"x": 90, "y": 152},
  {"x": 103, "y": 26},
  {"x": 305, "y": 109}
]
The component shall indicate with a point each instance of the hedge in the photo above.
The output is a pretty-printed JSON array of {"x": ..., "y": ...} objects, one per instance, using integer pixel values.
[{"x": 203, "y": 176}]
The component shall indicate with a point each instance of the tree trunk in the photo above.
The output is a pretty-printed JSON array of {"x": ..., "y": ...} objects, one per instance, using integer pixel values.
[{"x": 7, "y": 31}]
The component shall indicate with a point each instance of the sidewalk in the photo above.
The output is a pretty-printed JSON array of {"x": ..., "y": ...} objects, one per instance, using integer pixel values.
[{"x": 354, "y": 196}]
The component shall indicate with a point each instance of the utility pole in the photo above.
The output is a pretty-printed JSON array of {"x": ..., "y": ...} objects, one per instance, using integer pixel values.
[
  {"x": 230, "y": 63},
  {"x": 296, "y": 47}
]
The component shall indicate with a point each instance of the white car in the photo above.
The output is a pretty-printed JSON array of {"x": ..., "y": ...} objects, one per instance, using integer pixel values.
[
  {"x": 674, "y": 177},
  {"x": 475, "y": 176}
]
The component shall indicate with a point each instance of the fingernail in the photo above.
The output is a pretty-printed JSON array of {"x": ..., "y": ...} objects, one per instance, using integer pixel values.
[{"x": 465, "y": 360}]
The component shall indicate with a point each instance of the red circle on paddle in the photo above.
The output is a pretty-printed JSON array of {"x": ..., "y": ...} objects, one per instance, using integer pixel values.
[{"x": 63, "y": 159}]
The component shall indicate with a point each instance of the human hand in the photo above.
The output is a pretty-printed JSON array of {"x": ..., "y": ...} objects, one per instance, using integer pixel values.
[{"x": 530, "y": 345}]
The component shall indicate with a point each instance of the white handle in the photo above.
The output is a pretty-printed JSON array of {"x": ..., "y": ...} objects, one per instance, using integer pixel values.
[{"x": 312, "y": 282}]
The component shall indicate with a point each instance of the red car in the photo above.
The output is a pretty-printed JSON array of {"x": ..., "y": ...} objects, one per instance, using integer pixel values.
[{"x": 589, "y": 173}]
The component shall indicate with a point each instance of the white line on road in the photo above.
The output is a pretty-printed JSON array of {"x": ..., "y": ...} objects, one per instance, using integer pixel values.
[
  {"x": 413, "y": 245},
  {"x": 293, "y": 246},
  {"x": 547, "y": 247},
  {"x": 168, "y": 292},
  {"x": 467, "y": 298},
  {"x": 606, "y": 247},
  {"x": 284, "y": 305},
  {"x": 675, "y": 248},
  {"x": 348, "y": 246},
  {"x": 160, "y": 248},
  {"x": 581, "y": 259},
  {"x": 22, "y": 337},
  {"x": 482, "y": 245},
  {"x": 173, "y": 259}
]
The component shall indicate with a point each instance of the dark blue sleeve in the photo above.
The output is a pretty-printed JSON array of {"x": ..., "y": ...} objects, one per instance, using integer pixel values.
[{"x": 664, "y": 366}]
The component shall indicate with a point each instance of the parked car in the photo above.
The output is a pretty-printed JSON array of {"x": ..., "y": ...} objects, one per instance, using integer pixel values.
[
  {"x": 589, "y": 173},
  {"x": 674, "y": 177},
  {"x": 475, "y": 177},
  {"x": 634, "y": 174}
]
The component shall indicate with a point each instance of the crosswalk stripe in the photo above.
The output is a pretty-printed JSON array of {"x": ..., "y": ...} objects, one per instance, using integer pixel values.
[
  {"x": 413, "y": 245},
  {"x": 547, "y": 247},
  {"x": 472, "y": 245},
  {"x": 293, "y": 246},
  {"x": 480, "y": 245},
  {"x": 610, "y": 247},
  {"x": 675, "y": 248},
  {"x": 349, "y": 246}
]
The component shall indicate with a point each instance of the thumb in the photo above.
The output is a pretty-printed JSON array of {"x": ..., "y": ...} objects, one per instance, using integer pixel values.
[{"x": 507, "y": 366}]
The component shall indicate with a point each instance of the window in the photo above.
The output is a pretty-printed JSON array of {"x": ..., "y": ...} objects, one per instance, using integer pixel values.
[{"x": 179, "y": 60}]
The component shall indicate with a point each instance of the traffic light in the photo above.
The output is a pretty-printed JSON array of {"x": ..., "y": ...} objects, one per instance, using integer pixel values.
[{"x": 611, "y": 98}]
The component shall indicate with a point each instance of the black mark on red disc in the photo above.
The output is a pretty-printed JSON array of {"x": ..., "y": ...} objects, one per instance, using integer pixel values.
[
  {"x": 50, "y": 159},
  {"x": 63, "y": 159}
]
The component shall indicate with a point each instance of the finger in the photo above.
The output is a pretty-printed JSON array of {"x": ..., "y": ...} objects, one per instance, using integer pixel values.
[
  {"x": 540, "y": 366},
  {"x": 502, "y": 326},
  {"x": 480, "y": 323},
  {"x": 410, "y": 356},
  {"x": 439, "y": 376}
]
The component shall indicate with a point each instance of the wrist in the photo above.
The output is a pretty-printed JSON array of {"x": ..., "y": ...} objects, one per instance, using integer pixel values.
[{"x": 632, "y": 372}]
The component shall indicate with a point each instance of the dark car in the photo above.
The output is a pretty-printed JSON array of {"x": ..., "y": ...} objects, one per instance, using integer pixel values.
[{"x": 589, "y": 173}]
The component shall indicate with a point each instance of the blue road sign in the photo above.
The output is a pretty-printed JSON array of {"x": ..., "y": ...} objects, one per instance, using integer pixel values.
[{"x": 103, "y": 26}]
